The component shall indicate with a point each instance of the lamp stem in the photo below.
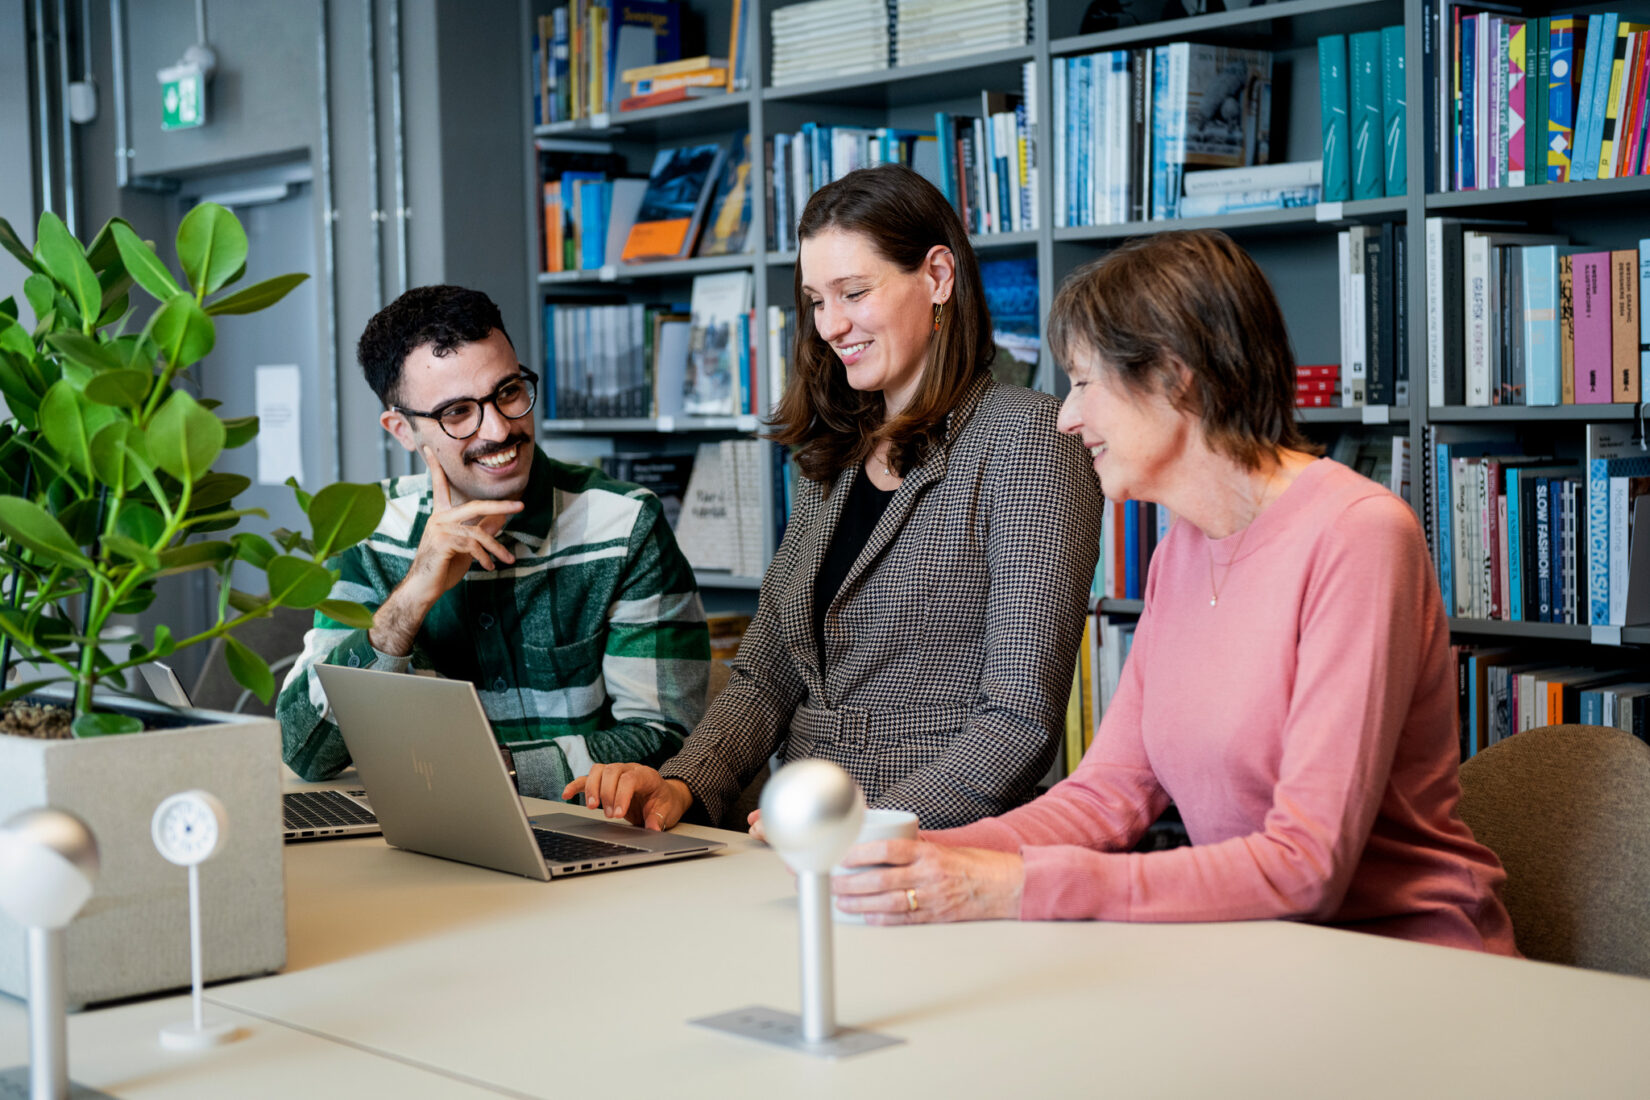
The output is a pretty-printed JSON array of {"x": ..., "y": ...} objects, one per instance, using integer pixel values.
[
  {"x": 813, "y": 897},
  {"x": 48, "y": 1031}
]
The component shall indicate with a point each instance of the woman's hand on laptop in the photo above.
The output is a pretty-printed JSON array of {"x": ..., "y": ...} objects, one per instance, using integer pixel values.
[{"x": 635, "y": 792}]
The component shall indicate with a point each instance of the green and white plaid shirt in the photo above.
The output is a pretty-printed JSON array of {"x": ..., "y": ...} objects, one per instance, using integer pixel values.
[{"x": 591, "y": 648}]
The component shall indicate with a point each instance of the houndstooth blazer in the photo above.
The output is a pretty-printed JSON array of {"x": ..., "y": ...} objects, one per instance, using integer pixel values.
[{"x": 949, "y": 649}]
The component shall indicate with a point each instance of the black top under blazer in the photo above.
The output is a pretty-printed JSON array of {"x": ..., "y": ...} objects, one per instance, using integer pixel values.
[{"x": 950, "y": 647}]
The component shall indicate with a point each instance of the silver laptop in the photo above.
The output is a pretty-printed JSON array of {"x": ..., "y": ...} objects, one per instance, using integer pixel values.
[
  {"x": 426, "y": 754},
  {"x": 307, "y": 815}
]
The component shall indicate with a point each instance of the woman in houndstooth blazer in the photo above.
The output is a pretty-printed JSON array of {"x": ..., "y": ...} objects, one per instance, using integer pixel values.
[{"x": 920, "y": 621}]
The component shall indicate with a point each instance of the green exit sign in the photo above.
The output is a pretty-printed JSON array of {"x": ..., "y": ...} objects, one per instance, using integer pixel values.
[{"x": 182, "y": 97}]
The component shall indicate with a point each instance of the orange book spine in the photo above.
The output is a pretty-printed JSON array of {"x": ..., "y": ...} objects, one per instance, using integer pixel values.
[{"x": 1624, "y": 326}]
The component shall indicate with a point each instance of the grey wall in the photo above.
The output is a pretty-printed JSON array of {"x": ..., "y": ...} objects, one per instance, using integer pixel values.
[
  {"x": 17, "y": 165},
  {"x": 262, "y": 102}
]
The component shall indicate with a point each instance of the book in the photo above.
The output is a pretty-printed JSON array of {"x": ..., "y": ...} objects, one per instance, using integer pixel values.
[
  {"x": 1540, "y": 319},
  {"x": 1011, "y": 298},
  {"x": 1592, "y": 327},
  {"x": 641, "y": 34},
  {"x": 669, "y": 95},
  {"x": 1364, "y": 113},
  {"x": 678, "y": 190},
  {"x": 672, "y": 68},
  {"x": 1394, "y": 108},
  {"x": 730, "y": 211},
  {"x": 1624, "y": 325},
  {"x": 712, "y": 384},
  {"x": 624, "y": 203},
  {"x": 715, "y": 79},
  {"x": 1562, "y": 79},
  {"x": 1334, "y": 91},
  {"x": 1603, "y": 442},
  {"x": 665, "y": 475},
  {"x": 1292, "y": 175}
]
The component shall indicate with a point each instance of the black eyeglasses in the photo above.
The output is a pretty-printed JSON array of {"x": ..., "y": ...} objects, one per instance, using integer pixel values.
[{"x": 461, "y": 418}]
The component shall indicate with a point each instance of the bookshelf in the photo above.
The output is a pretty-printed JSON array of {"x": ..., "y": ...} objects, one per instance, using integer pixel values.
[{"x": 1296, "y": 247}]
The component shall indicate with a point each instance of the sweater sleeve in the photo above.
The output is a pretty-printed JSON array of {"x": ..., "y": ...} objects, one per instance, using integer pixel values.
[{"x": 1361, "y": 621}]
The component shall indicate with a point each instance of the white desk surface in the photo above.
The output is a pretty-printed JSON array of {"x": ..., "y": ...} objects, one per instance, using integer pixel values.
[{"x": 585, "y": 986}]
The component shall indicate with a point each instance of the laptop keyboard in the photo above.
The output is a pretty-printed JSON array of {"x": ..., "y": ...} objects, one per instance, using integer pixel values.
[
  {"x": 324, "y": 810},
  {"x": 567, "y": 848}
]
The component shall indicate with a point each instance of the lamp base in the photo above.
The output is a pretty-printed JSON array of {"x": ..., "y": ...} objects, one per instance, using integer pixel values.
[
  {"x": 784, "y": 1029},
  {"x": 14, "y": 1085},
  {"x": 183, "y": 1036}
]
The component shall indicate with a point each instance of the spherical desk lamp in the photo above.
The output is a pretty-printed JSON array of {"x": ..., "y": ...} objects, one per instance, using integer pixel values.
[
  {"x": 48, "y": 863},
  {"x": 811, "y": 813}
]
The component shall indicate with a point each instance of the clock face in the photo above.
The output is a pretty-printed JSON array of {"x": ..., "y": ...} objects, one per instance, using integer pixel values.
[{"x": 188, "y": 827}]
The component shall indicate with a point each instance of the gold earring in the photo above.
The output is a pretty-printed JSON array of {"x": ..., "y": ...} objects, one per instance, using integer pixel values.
[{"x": 939, "y": 307}]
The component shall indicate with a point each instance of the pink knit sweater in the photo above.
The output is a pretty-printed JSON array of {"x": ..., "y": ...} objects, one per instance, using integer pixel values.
[{"x": 1305, "y": 727}]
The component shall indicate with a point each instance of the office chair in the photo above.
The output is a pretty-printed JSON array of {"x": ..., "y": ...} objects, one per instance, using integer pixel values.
[
  {"x": 1564, "y": 807},
  {"x": 278, "y": 639}
]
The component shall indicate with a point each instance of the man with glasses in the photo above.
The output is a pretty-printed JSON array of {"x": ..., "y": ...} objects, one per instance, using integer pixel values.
[{"x": 559, "y": 593}]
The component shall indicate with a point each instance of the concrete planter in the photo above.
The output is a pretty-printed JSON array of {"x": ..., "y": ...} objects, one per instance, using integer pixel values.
[{"x": 133, "y": 935}]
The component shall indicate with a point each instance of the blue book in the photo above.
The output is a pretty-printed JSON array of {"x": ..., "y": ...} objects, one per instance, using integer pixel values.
[
  {"x": 594, "y": 199},
  {"x": 1466, "y": 158},
  {"x": 947, "y": 140},
  {"x": 1444, "y": 527},
  {"x": 549, "y": 384},
  {"x": 1131, "y": 550},
  {"x": 1332, "y": 100},
  {"x": 1161, "y": 204},
  {"x": 1543, "y": 550},
  {"x": 1394, "y": 109},
  {"x": 1604, "y": 444},
  {"x": 1561, "y": 99},
  {"x": 1514, "y": 596},
  {"x": 1596, "y": 75},
  {"x": 1542, "y": 353}
]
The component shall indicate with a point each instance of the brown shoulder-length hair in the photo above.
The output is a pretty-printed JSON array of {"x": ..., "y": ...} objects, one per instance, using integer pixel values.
[
  {"x": 831, "y": 425},
  {"x": 1191, "y": 297}
]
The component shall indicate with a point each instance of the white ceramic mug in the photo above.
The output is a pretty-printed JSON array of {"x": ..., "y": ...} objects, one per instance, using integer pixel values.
[{"x": 879, "y": 825}]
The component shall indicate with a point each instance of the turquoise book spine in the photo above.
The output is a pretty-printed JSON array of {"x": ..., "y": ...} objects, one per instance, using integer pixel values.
[
  {"x": 1394, "y": 110},
  {"x": 1368, "y": 178},
  {"x": 1332, "y": 94}
]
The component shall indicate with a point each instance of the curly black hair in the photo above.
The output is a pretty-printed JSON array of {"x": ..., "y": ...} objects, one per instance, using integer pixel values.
[{"x": 444, "y": 316}]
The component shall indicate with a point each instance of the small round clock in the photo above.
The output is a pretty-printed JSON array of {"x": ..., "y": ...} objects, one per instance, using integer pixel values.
[{"x": 189, "y": 827}]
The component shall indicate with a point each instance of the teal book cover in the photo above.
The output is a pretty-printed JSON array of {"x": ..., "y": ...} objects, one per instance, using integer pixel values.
[
  {"x": 1332, "y": 93},
  {"x": 1364, "y": 105},
  {"x": 1394, "y": 110}
]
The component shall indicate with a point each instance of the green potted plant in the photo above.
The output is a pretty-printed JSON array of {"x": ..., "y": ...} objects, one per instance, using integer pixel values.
[{"x": 106, "y": 487}]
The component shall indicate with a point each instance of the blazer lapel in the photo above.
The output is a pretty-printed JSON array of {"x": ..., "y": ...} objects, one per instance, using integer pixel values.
[
  {"x": 797, "y": 608},
  {"x": 930, "y": 470}
]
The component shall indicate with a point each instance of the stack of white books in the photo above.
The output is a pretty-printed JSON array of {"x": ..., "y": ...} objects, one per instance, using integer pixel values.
[
  {"x": 830, "y": 38},
  {"x": 933, "y": 30}
]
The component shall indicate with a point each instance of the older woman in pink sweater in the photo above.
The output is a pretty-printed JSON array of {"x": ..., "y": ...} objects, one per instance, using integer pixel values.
[{"x": 1289, "y": 687}]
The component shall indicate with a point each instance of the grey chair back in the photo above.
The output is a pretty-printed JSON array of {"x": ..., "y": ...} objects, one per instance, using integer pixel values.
[
  {"x": 1567, "y": 810},
  {"x": 278, "y": 639}
]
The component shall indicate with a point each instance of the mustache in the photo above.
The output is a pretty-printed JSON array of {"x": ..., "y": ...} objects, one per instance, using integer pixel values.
[{"x": 486, "y": 450}]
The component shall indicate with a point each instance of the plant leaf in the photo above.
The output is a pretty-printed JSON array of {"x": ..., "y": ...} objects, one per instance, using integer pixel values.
[
  {"x": 121, "y": 388},
  {"x": 69, "y": 422},
  {"x": 192, "y": 555},
  {"x": 164, "y": 645},
  {"x": 253, "y": 548},
  {"x": 211, "y": 246},
  {"x": 297, "y": 491},
  {"x": 33, "y": 527},
  {"x": 294, "y": 582},
  {"x": 257, "y": 296},
  {"x": 11, "y": 243},
  {"x": 132, "y": 550},
  {"x": 114, "y": 309},
  {"x": 104, "y": 253},
  {"x": 42, "y": 295},
  {"x": 250, "y": 670},
  {"x": 183, "y": 438},
  {"x": 342, "y": 515},
  {"x": 217, "y": 489},
  {"x": 101, "y": 724},
  {"x": 63, "y": 258},
  {"x": 239, "y": 431},
  {"x": 20, "y": 396},
  {"x": 142, "y": 264},
  {"x": 111, "y": 463},
  {"x": 182, "y": 331},
  {"x": 136, "y": 603},
  {"x": 140, "y": 522},
  {"x": 346, "y": 613},
  {"x": 246, "y": 603},
  {"x": 84, "y": 349}
]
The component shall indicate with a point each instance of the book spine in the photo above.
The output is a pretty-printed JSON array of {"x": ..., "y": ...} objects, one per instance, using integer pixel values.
[
  {"x": 1566, "y": 331},
  {"x": 1466, "y": 149},
  {"x": 1062, "y": 142},
  {"x": 1540, "y": 309},
  {"x": 1160, "y": 132},
  {"x": 1620, "y": 528},
  {"x": 1614, "y": 90},
  {"x": 1517, "y": 71},
  {"x": 1592, "y": 328},
  {"x": 1475, "y": 289},
  {"x": 1624, "y": 326},
  {"x": 1378, "y": 310},
  {"x": 1394, "y": 109},
  {"x": 1535, "y": 100},
  {"x": 1365, "y": 112},
  {"x": 1139, "y": 162},
  {"x": 1444, "y": 540},
  {"x": 1601, "y": 36},
  {"x": 1543, "y": 552},
  {"x": 1400, "y": 314}
]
